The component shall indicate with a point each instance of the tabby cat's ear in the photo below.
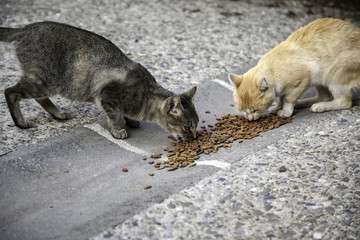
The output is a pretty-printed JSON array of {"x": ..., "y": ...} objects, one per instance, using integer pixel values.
[
  {"x": 190, "y": 94},
  {"x": 263, "y": 85},
  {"x": 173, "y": 105},
  {"x": 235, "y": 79}
]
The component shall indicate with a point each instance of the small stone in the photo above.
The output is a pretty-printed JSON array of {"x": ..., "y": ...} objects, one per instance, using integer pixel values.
[
  {"x": 268, "y": 207},
  {"x": 282, "y": 169},
  {"x": 341, "y": 187},
  {"x": 309, "y": 134},
  {"x": 269, "y": 197},
  {"x": 353, "y": 165},
  {"x": 317, "y": 235},
  {"x": 345, "y": 179},
  {"x": 147, "y": 187},
  {"x": 171, "y": 205},
  {"x": 261, "y": 164},
  {"x": 108, "y": 235},
  {"x": 288, "y": 234},
  {"x": 186, "y": 204},
  {"x": 124, "y": 169},
  {"x": 303, "y": 173},
  {"x": 258, "y": 213}
]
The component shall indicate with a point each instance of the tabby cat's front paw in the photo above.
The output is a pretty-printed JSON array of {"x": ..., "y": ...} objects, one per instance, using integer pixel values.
[
  {"x": 283, "y": 113},
  {"x": 25, "y": 125},
  {"x": 121, "y": 134},
  {"x": 62, "y": 115}
]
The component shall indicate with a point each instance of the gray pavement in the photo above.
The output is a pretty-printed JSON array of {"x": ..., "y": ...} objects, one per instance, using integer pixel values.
[{"x": 64, "y": 180}]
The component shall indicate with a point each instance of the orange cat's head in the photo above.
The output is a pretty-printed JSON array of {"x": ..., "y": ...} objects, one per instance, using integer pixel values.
[{"x": 252, "y": 95}]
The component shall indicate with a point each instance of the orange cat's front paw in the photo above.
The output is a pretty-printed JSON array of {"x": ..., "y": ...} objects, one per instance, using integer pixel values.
[{"x": 283, "y": 113}]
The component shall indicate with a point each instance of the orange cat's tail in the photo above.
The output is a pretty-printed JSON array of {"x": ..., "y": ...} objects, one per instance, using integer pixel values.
[{"x": 9, "y": 34}]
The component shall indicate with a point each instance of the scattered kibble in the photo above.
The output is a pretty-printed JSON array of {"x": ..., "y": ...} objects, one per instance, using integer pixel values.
[
  {"x": 124, "y": 169},
  {"x": 219, "y": 135},
  {"x": 158, "y": 155},
  {"x": 147, "y": 187}
]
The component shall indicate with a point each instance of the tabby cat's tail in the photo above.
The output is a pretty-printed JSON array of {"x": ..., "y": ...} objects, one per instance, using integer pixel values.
[{"x": 9, "y": 34}]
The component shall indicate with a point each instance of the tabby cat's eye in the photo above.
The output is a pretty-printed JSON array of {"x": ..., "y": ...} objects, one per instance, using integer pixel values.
[{"x": 186, "y": 128}]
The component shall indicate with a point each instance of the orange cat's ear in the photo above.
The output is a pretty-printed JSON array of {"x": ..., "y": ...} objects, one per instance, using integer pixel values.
[
  {"x": 235, "y": 79},
  {"x": 263, "y": 85}
]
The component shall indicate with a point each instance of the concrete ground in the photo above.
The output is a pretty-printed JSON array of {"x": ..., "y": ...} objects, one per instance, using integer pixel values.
[{"x": 64, "y": 180}]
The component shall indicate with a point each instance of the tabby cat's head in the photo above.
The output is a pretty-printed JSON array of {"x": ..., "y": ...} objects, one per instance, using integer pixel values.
[
  {"x": 180, "y": 115},
  {"x": 252, "y": 94}
]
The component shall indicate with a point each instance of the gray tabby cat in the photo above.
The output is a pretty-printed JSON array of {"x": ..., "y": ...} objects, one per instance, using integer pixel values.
[{"x": 83, "y": 66}]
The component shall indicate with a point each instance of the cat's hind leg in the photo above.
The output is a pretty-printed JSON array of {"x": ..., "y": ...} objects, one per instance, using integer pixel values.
[
  {"x": 323, "y": 94},
  {"x": 49, "y": 106},
  {"x": 14, "y": 95},
  {"x": 132, "y": 123},
  {"x": 341, "y": 100}
]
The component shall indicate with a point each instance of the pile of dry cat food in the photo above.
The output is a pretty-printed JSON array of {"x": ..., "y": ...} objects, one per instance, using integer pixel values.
[{"x": 226, "y": 130}]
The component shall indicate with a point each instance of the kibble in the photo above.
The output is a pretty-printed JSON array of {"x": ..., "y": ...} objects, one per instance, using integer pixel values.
[
  {"x": 222, "y": 134},
  {"x": 124, "y": 169},
  {"x": 147, "y": 187}
]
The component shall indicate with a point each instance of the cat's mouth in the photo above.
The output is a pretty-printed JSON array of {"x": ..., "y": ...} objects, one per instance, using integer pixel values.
[{"x": 252, "y": 116}]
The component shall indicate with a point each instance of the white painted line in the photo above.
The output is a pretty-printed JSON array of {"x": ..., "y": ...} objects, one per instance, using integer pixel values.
[
  {"x": 121, "y": 143},
  {"x": 224, "y": 84},
  {"x": 215, "y": 163}
]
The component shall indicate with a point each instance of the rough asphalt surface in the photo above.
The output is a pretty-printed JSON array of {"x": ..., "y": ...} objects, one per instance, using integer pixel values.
[{"x": 62, "y": 180}]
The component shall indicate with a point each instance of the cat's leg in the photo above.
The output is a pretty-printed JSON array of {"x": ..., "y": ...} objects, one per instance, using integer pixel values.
[
  {"x": 48, "y": 105},
  {"x": 323, "y": 94},
  {"x": 13, "y": 96},
  {"x": 116, "y": 123},
  {"x": 132, "y": 123},
  {"x": 289, "y": 101},
  {"x": 341, "y": 100},
  {"x": 278, "y": 106},
  {"x": 115, "y": 118}
]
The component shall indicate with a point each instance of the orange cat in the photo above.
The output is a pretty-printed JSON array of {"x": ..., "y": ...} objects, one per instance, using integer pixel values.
[{"x": 325, "y": 54}]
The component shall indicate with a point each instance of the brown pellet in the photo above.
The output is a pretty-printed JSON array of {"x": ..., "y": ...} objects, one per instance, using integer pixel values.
[{"x": 147, "y": 187}]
